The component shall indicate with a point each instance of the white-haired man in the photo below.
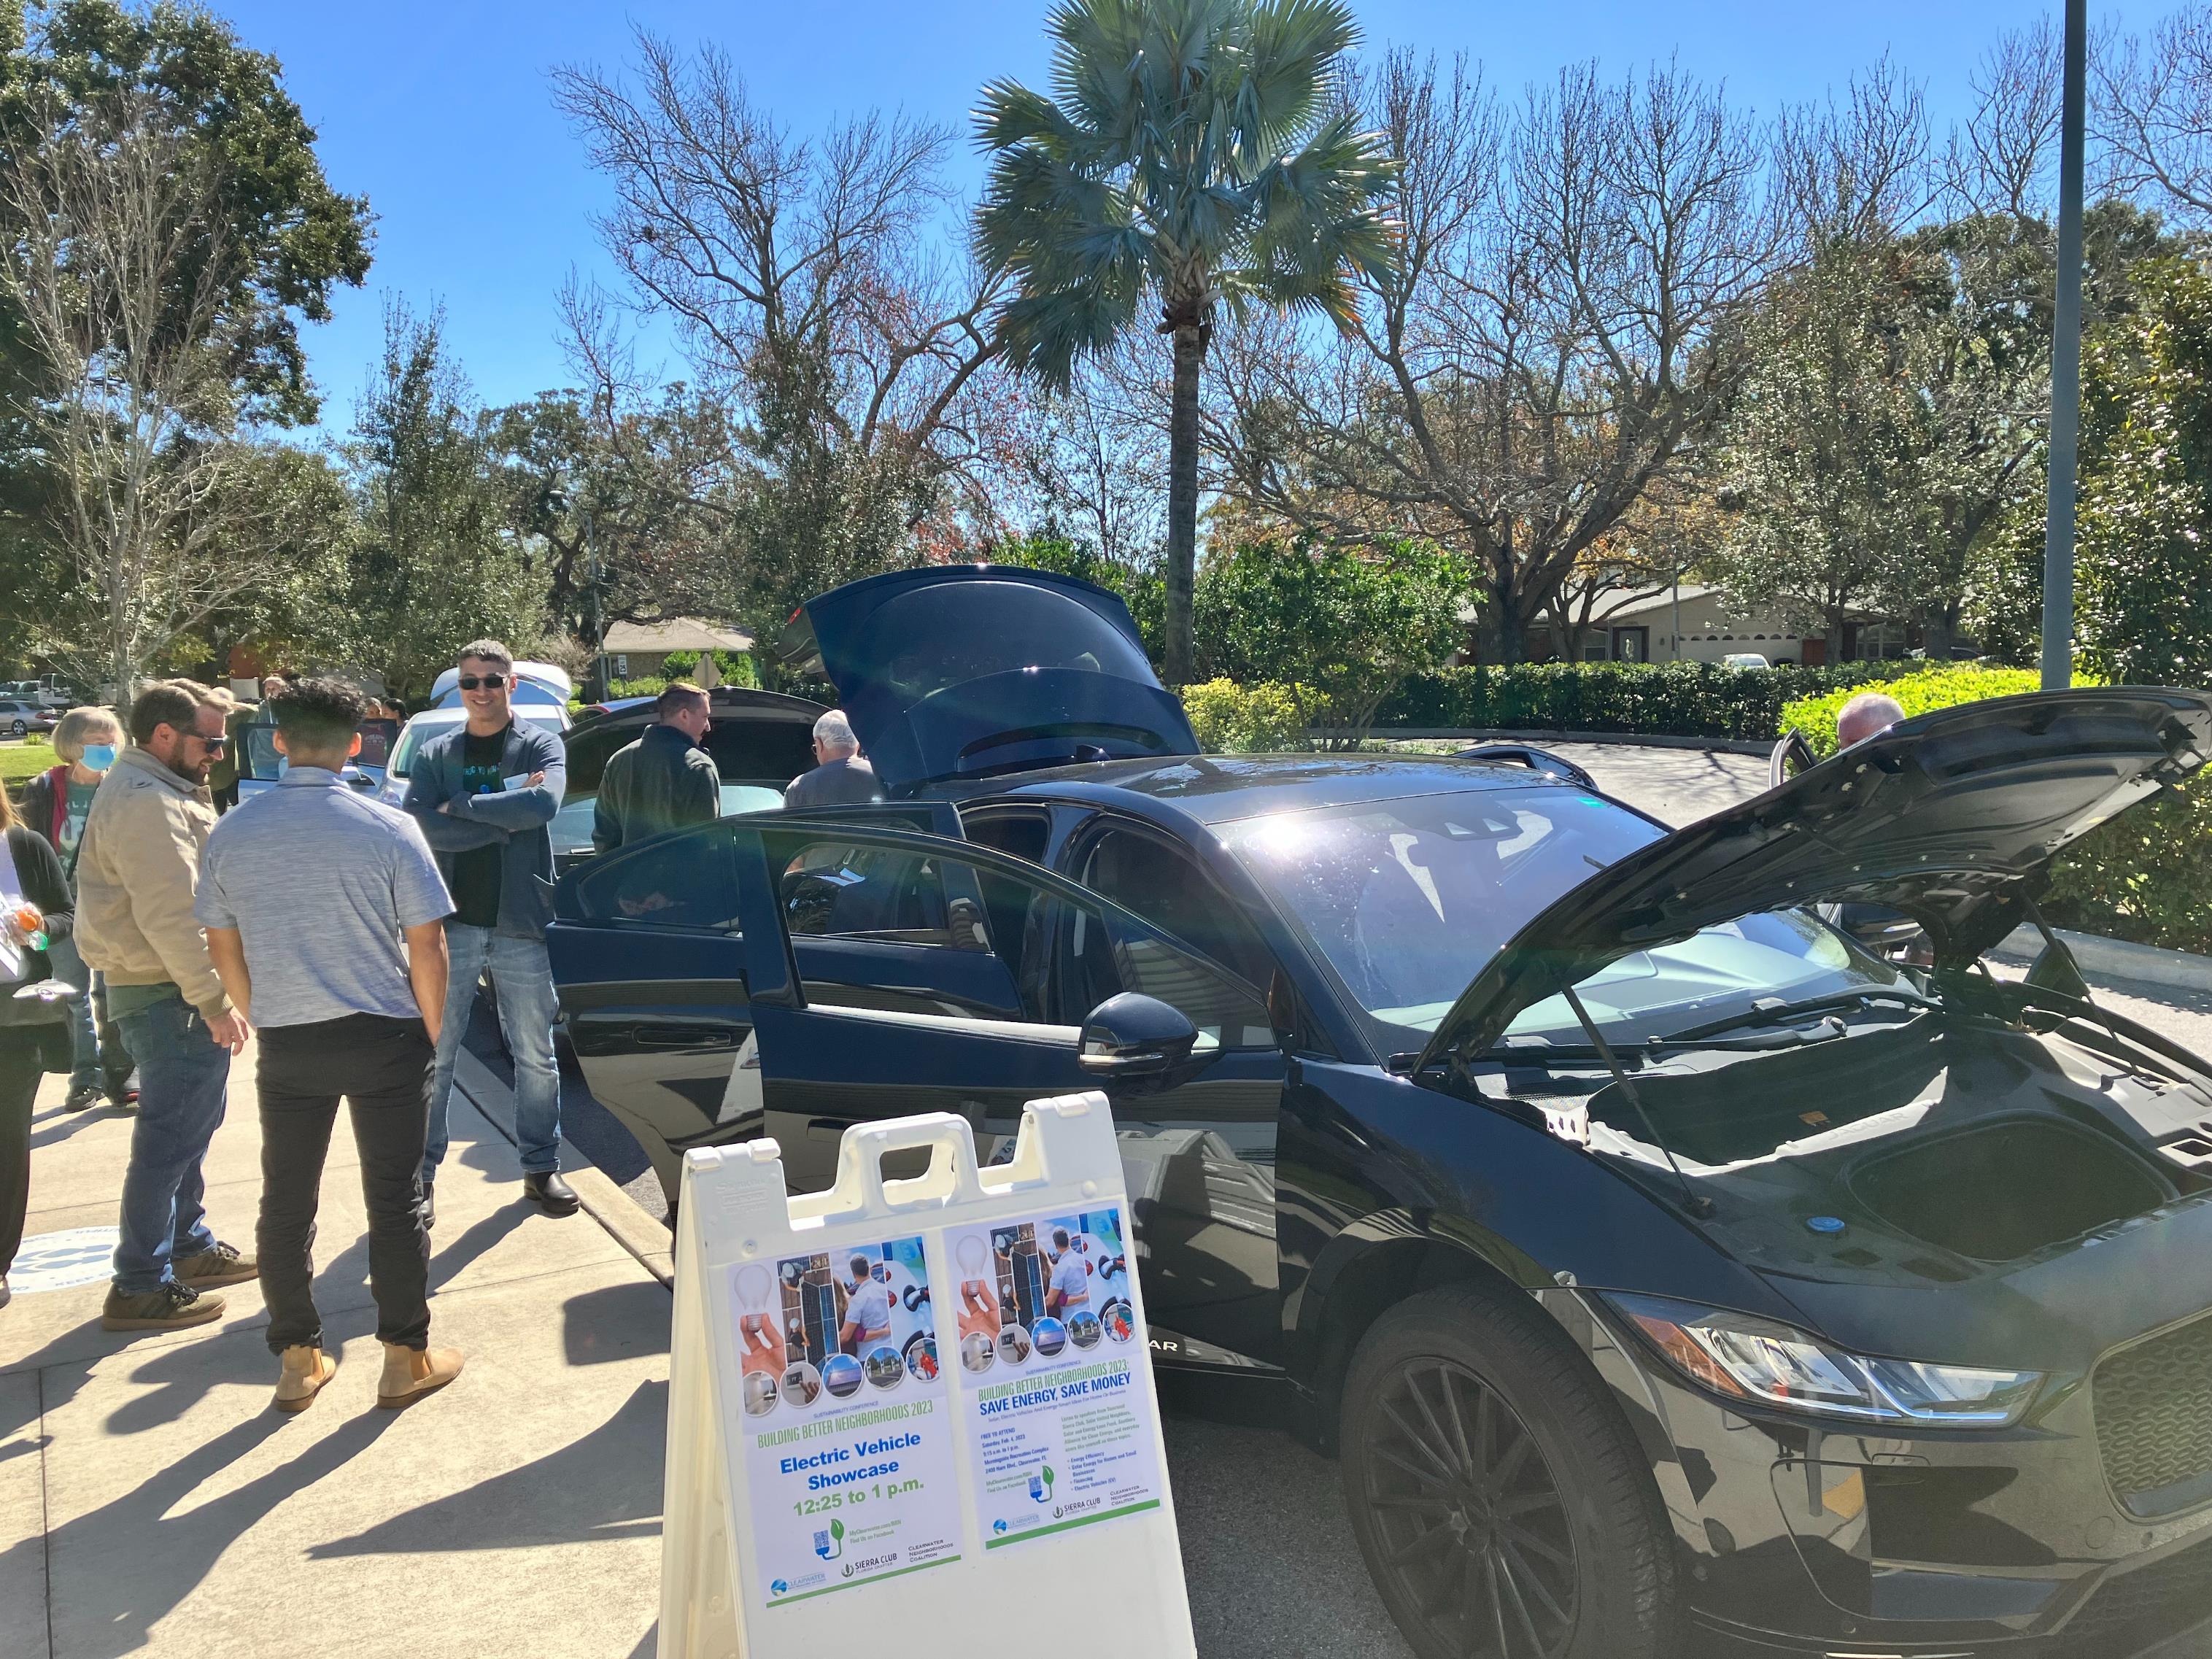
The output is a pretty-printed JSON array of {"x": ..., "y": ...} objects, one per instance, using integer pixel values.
[
  {"x": 1865, "y": 715},
  {"x": 841, "y": 777}
]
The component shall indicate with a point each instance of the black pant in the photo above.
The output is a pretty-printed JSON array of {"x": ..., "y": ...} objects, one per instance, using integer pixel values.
[
  {"x": 382, "y": 1067},
  {"x": 20, "y": 1069},
  {"x": 226, "y": 798}
]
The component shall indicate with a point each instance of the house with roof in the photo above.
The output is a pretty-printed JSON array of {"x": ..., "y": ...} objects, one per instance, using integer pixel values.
[
  {"x": 638, "y": 651},
  {"x": 1698, "y": 623}
]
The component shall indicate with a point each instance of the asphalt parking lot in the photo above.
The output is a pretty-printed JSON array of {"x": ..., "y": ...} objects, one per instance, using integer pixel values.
[{"x": 1271, "y": 1567}]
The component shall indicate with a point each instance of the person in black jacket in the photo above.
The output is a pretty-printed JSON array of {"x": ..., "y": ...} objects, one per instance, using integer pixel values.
[
  {"x": 33, "y": 1033},
  {"x": 663, "y": 780}
]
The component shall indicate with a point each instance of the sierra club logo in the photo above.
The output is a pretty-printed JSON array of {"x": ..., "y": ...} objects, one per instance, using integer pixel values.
[
  {"x": 831, "y": 1544},
  {"x": 1041, "y": 1486}
]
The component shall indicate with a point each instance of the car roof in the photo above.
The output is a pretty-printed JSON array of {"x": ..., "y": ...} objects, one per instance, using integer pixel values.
[{"x": 1216, "y": 789}]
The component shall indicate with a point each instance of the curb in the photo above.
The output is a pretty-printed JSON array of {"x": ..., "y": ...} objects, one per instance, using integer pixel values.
[
  {"x": 1612, "y": 739},
  {"x": 620, "y": 1217},
  {"x": 2118, "y": 958}
]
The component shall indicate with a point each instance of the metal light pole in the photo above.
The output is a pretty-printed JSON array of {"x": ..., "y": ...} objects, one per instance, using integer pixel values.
[
  {"x": 2065, "y": 369},
  {"x": 591, "y": 594}
]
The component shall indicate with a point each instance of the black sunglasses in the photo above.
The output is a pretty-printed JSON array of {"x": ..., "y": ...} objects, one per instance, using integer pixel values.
[
  {"x": 208, "y": 743},
  {"x": 489, "y": 682}
]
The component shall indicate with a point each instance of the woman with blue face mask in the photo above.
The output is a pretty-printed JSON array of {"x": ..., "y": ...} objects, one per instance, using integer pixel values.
[{"x": 56, "y": 803}]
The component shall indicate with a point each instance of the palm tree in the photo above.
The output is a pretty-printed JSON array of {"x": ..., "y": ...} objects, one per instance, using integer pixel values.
[{"x": 1195, "y": 151}]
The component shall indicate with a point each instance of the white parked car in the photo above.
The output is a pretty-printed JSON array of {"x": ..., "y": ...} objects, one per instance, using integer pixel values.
[{"x": 1745, "y": 660}]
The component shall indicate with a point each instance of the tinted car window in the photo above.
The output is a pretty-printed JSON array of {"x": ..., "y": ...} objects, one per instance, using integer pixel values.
[
  {"x": 1166, "y": 887},
  {"x": 838, "y": 890},
  {"x": 935, "y": 637},
  {"x": 683, "y": 881}
]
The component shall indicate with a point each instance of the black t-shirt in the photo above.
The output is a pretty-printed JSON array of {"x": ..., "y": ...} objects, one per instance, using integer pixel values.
[{"x": 477, "y": 872}]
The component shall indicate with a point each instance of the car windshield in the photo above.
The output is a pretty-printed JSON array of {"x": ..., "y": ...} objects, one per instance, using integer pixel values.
[
  {"x": 571, "y": 825},
  {"x": 419, "y": 733},
  {"x": 1409, "y": 899}
]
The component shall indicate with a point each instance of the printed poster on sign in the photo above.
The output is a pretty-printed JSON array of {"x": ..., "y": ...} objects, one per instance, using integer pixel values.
[
  {"x": 1058, "y": 1436},
  {"x": 847, "y": 1434}
]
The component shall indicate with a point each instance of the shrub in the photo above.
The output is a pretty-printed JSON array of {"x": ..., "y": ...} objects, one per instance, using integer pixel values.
[
  {"x": 1680, "y": 700},
  {"x": 1346, "y": 627},
  {"x": 617, "y": 690},
  {"x": 1940, "y": 688},
  {"x": 678, "y": 665},
  {"x": 1241, "y": 719},
  {"x": 2146, "y": 876}
]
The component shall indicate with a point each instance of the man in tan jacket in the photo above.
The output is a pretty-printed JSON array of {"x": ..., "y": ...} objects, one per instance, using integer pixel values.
[{"x": 137, "y": 871}]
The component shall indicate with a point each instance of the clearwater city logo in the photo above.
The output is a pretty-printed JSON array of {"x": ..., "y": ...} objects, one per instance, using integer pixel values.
[
  {"x": 998, "y": 1526},
  {"x": 781, "y": 1587}
]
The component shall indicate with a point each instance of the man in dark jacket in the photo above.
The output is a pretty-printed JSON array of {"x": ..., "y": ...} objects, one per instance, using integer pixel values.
[
  {"x": 665, "y": 780},
  {"x": 484, "y": 793}
]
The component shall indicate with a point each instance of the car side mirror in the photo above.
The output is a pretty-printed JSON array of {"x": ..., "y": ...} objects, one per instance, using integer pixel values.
[{"x": 1131, "y": 1036}]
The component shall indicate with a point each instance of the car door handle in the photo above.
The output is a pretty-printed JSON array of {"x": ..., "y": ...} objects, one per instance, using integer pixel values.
[{"x": 683, "y": 1037}]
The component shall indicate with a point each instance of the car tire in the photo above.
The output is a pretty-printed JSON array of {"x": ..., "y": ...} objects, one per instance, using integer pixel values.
[
  {"x": 1503, "y": 1507},
  {"x": 21, "y": 729}
]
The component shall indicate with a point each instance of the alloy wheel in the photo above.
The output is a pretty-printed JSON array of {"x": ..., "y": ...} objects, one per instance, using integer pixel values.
[{"x": 1468, "y": 1516}]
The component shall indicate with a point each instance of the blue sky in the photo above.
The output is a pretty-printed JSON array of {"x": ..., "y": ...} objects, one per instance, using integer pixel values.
[{"x": 441, "y": 113}]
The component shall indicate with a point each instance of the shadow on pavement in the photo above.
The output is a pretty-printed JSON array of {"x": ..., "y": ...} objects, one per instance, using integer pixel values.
[
  {"x": 169, "y": 1543},
  {"x": 604, "y": 1484}
]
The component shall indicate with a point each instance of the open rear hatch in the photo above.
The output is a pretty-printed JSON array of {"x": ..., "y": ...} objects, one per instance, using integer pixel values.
[
  {"x": 959, "y": 671},
  {"x": 1951, "y": 817}
]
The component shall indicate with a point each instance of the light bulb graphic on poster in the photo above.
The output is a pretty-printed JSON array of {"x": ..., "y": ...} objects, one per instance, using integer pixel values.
[
  {"x": 1058, "y": 1436},
  {"x": 848, "y": 1433}
]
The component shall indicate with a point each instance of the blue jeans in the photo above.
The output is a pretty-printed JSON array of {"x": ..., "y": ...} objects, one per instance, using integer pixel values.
[
  {"x": 183, "y": 1077},
  {"x": 70, "y": 968},
  {"x": 524, "y": 980}
]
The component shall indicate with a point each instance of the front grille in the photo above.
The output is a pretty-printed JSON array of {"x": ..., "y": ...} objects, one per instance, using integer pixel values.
[
  {"x": 2134, "y": 1609},
  {"x": 2154, "y": 1405}
]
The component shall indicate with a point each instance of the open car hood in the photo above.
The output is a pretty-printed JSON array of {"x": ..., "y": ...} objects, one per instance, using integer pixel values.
[
  {"x": 1950, "y": 818},
  {"x": 957, "y": 671}
]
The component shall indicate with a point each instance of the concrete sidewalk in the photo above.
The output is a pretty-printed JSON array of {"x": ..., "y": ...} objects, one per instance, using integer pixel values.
[{"x": 151, "y": 1501}]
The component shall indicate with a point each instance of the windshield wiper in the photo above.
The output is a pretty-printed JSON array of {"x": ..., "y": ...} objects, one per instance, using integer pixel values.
[{"x": 1772, "y": 1010}]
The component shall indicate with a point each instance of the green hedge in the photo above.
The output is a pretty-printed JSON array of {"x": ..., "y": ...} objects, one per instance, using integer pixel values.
[
  {"x": 1244, "y": 719},
  {"x": 1944, "y": 687},
  {"x": 1680, "y": 700}
]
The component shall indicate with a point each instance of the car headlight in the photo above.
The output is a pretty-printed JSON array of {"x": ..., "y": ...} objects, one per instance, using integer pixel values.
[{"x": 1745, "y": 1357}]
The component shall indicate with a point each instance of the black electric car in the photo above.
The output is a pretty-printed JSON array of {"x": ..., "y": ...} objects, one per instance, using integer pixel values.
[{"x": 1658, "y": 1261}]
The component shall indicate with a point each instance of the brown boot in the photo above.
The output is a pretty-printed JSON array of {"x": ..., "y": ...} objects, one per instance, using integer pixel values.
[
  {"x": 305, "y": 1368},
  {"x": 410, "y": 1373}
]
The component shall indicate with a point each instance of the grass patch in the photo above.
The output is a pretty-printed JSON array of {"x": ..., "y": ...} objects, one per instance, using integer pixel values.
[{"x": 21, "y": 762}]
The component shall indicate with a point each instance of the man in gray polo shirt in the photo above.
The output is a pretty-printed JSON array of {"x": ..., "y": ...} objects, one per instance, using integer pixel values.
[{"x": 306, "y": 892}]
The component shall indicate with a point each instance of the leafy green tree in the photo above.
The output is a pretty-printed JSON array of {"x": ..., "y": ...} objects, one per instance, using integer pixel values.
[
  {"x": 279, "y": 235},
  {"x": 1343, "y": 628},
  {"x": 2144, "y": 607},
  {"x": 1817, "y": 466},
  {"x": 1191, "y": 151},
  {"x": 434, "y": 570}
]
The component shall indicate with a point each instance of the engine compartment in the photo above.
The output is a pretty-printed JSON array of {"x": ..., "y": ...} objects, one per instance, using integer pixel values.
[{"x": 1926, "y": 1151}]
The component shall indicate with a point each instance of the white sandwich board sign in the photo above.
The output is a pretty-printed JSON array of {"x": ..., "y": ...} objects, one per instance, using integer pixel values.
[{"x": 902, "y": 1406}]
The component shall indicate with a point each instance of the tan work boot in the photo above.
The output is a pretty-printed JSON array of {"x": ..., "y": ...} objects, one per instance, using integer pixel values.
[
  {"x": 305, "y": 1368},
  {"x": 410, "y": 1373}
]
